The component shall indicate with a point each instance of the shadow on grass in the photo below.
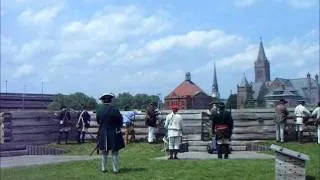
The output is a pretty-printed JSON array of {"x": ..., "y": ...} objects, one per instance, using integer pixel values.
[
  {"x": 127, "y": 170},
  {"x": 310, "y": 177}
]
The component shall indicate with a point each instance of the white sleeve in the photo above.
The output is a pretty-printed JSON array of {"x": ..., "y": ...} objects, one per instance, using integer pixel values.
[
  {"x": 167, "y": 121},
  {"x": 181, "y": 123},
  {"x": 306, "y": 110}
]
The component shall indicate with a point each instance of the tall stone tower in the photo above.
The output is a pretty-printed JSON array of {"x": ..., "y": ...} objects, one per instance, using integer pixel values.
[
  {"x": 262, "y": 66},
  {"x": 244, "y": 96},
  {"x": 215, "y": 88}
]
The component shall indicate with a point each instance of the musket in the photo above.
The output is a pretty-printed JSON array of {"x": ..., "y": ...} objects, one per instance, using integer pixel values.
[{"x": 97, "y": 144}]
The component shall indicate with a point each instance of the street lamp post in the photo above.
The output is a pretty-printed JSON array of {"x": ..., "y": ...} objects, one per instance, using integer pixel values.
[{"x": 24, "y": 92}]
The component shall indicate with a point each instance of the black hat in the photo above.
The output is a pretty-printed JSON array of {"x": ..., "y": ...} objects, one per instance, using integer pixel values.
[
  {"x": 106, "y": 96},
  {"x": 221, "y": 105},
  {"x": 283, "y": 100}
]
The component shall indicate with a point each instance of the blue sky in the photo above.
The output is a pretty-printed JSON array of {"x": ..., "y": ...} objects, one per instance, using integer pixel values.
[{"x": 147, "y": 46}]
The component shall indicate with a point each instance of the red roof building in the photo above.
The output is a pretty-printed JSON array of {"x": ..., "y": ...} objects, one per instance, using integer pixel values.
[{"x": 188, "y": 96}]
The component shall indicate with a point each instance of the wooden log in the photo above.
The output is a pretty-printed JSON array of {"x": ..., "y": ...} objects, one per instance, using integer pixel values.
[
  {"x": 253, "y": 136},
  {"x": 254, "y": 129},
  {"x": 33, "y": 122},
  {"x": 252, "y": 123},
  {"x": 35, "y": 130},
  {"x": 31, "y": 114},
  {"x": 35, "y": 137}
]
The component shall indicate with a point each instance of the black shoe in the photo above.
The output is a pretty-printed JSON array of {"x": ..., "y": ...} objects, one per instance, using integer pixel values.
[
  {"x": 175, "y": 157},
  {"x": 104, "y": 171},
  {"x": 170, "y": 157}
]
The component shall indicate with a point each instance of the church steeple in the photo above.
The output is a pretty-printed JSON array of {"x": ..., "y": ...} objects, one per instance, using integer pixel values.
[
  {"x": 262, "y": 65},
  {"x": 261, "y": 54},
  {"x": 215, "y": 88}
]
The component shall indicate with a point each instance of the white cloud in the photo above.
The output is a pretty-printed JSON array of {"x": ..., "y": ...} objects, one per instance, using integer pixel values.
[
  {"x": 32, "y": 49},
  {"x": 303, "y": 3},
  {"x": 245, "y": 3},
  {"x": 213, "y": 39},
  {"x": 115, "y": 24},
  {"x": 8, "y": 48},
  {"x": 146, "y": 76},
  {"x": 299, "y": 4},
  {"x": 24, "y": 70},
  {"x": 41, "y": 17}
]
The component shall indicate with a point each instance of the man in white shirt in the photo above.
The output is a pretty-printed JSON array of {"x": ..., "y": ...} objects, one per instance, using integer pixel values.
[
  {"x": 301, "y": 112},
  {"x": 174, "y": 126},
  {"x": 316, "y": 113}
]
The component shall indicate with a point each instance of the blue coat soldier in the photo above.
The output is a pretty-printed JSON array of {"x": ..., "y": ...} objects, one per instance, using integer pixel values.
[
  {"x": 110, "y": 135},
  {"x": 222, "y": 125}
]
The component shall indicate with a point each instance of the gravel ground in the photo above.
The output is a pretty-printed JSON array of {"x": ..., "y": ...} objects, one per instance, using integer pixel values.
[
  {"x": 234, "y": 155},
  {"x": 18, "y": 161}
]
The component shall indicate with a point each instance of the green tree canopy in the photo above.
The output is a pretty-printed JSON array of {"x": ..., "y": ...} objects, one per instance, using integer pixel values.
[
  {"x": 138, "y": 101},
  {"x": 75, "y": 101},
  {"x": 232, "y": 101}
]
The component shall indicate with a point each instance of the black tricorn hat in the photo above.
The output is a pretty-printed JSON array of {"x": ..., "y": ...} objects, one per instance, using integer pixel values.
[
  {"x": 105, "y": 96},
  {"x": 283, "y": 100}
]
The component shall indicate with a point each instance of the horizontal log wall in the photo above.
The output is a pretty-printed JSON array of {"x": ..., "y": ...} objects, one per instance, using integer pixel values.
[{"x": 40, "y": 127}]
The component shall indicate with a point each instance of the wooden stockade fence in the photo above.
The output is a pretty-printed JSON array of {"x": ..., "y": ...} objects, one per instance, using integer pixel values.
[{"x": 250, "y": 125}]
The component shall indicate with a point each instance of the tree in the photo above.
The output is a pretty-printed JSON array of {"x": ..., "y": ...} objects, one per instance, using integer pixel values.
[
  {"x": 74, "y": 101},
  {"x": 232, "y": 102},
  {"x": 124, "y": 99}
]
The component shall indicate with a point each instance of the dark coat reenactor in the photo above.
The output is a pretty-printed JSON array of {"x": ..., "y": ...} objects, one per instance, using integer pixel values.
[
  {"x": 222, "y": 126},
  {"x": 151, "y": 120},
  {"x": 64, "y": 118},
  {"x": 82, "y": 125},
  {"x": 110, "y": 136}
]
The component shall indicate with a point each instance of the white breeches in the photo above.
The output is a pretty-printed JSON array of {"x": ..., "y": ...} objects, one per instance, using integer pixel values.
[
  {"x": 150, "y": 134},
  {"x": 174, "y": 142},
  {"x": 280, "y": 132},
  {"x": 318, "y": 134},
  {"x": 299, "y": 124}
]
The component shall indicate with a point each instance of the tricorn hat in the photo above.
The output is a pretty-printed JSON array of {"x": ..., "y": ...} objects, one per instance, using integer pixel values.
[
  {"x": 106, "y": 96},
  {"x": 283, "y": 100}
]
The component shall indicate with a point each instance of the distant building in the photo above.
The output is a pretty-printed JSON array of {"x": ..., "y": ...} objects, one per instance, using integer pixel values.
[
  {"x": 28, "y": 101},
  {"x": 265, "y": 93},
  {"x": 188, "y": 96},
  {"x": 215, "y": 88}
]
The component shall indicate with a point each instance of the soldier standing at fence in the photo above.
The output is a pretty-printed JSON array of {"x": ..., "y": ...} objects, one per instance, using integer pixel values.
[
  {"x": 174, "y": 126},
  {"x": 222, "y": 125},
  {"x": 82, "y": 125},
  {"x": 151, "y": 121},
  {"x": 316, "y": 113},
  {"x": 110, "y": 136},
  {"x": 280, "y": 119},
  {"x": 128, "y": 124},
  {"x": 1, "y": 129},
  {"x": 64, "y": 123},
  {"x": 302, "y": 114}
]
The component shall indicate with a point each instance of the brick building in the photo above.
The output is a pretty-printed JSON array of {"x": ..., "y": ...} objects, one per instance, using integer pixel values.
[{"x": 188, "y": 95}]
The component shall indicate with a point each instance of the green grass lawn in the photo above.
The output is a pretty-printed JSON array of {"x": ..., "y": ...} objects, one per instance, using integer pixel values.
[{"x": 137, "y": 163}]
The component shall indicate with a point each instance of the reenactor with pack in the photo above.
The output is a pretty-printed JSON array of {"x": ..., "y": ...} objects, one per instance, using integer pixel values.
[
  {"x": 281, "y": 114},
  {"x": 222, "y": 126},
  {"x": 82, "y": 125},
  {"x": 151, "y": 120},
  {"x": 64, "y": 118}
]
